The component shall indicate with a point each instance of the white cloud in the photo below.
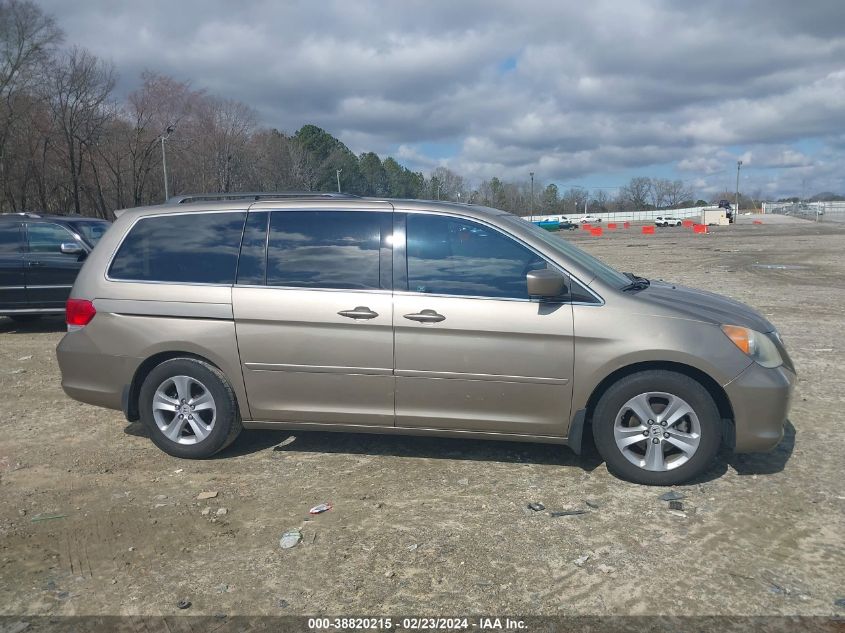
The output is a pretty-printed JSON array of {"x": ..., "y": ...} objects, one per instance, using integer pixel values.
[{"x": 596, "y": 88}]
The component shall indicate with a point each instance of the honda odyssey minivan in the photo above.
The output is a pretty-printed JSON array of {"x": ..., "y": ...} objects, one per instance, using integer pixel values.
[{"x": 211, "y": 314}]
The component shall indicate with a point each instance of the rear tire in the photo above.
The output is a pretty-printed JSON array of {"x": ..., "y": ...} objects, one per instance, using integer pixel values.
[
  {"x": 657, "y": 427},
  {"x": 189, "y": 408}
]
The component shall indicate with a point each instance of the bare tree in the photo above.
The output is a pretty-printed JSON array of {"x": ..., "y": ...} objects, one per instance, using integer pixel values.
[
  {"x": 636, "y": 194},
  {"x": 600, "y": 200},
  {"x": 575, "y": 200},
  {"x": 677, "y": 192},
  {"x": 28, "y": 38},
  {"x": 161, "y": 103},
  {"x": 272, "y": 161},
  {"x": 658, "y": 192},
  {"x": 451, "y": 184},
  {"x": 78, "y": 88}
]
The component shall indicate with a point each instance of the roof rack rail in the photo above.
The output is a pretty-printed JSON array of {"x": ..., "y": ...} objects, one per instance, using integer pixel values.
[
  {"x": 206, "y": 197},
  {"x": 24, "y": 214}
]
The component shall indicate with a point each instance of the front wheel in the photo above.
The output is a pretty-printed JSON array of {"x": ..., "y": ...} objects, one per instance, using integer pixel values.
[
  {"x": 657, "y": 427},
  {"x": 189, "y": 408}
]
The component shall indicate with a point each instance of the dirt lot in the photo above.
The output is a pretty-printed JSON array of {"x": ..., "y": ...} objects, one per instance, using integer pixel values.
[{"x": 439, "y": 527}]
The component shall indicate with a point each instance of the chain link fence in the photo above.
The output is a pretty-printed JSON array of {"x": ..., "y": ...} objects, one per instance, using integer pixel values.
[{"x": 816, "y": 211}]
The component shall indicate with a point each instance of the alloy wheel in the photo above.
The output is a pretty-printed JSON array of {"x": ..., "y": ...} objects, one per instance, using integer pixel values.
[
  {"x": 657, "y": 431},
  {"x": 184, "y": 410}
]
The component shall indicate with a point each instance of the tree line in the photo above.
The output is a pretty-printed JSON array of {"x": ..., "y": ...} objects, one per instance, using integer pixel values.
[{"x": 68, "y": 145}]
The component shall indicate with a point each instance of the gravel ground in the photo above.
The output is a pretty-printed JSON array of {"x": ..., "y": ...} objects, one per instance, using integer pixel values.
[{"x": 95, "y": 520}]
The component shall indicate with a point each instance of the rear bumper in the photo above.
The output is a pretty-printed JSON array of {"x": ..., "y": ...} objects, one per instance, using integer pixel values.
[
  {"x": 760, "y": 398},
  {"x": 91, "y": 376}
]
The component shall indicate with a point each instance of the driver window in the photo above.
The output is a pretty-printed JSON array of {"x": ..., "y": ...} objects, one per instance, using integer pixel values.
[
  {"x": 451, "y": 256},
  {"x": 47, "y": 238}
]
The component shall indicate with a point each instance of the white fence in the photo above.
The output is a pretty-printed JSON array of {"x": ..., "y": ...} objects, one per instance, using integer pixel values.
[
  {"x": 626, "y": 216},
  {"x": 818, "y": 211}
]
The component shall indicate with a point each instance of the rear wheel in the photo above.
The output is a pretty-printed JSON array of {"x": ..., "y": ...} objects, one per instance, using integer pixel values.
[
  {"x": 657, "y": 427},
  {"x": 189, "y": 408}
]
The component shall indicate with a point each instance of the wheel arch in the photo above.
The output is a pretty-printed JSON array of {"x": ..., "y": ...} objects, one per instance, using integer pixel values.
[
  {"x": 720, "y": 397},
  {"x": 134, "y": 388}
]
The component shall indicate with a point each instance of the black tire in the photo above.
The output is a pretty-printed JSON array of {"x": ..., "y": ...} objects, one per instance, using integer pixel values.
[
  {"x": 24, "y": 318},
  {"x": 691, "y": 391},
  {"x": 227, "y": 423}
]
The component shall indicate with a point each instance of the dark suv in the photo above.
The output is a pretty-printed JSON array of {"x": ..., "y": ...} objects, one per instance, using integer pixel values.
[{"x": 40, "y": 256}]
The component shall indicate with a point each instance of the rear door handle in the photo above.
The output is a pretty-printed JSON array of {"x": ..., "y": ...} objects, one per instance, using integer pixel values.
[
  {"x": 361, "y": 312},
  {"x": 426, "y": 316}
]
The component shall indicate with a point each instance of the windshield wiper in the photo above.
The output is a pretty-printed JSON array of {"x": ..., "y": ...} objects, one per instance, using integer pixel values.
[{"x": 637, "y": 283}]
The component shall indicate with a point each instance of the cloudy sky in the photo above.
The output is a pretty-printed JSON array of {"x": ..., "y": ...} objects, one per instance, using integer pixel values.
[{"x": 582, "y": 93}]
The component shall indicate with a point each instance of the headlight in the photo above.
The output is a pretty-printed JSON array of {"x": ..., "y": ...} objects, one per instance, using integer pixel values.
[{"x": 757, "y": 345}]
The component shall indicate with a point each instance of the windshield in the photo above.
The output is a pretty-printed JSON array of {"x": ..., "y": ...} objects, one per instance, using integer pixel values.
[
  {"x": 598, "y": 268},
  {"x": 91, "y": 230}
]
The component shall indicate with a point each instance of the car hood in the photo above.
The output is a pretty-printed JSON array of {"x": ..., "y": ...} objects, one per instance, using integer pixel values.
[{"x": 701, "y": 305}]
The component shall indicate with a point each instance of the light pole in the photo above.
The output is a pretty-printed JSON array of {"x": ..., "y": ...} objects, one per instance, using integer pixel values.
[
  {"x": 736, "y": 211},
  {"x": 337, "y": 171},
  {"x": 164, "y": 137},
  {"x": 531, "y": 173}
]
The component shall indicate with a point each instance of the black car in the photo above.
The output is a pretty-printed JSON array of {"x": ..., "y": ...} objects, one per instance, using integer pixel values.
[{"x": 40, "y": 256}]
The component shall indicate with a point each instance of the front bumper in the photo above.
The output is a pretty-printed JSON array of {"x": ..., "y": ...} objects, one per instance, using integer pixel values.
[{"x": 760, "y": 399}]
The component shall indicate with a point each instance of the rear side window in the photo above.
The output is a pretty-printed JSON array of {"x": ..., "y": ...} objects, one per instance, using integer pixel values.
[
  {"x": 10, "y": 238},
  {"x": 91, "y": 231},
  {"x": 329, "y": 249},
  {"x": 183, "y": 248}
]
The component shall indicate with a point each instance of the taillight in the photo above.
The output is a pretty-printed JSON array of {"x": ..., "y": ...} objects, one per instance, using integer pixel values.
[{"x": 78, "y": 313}]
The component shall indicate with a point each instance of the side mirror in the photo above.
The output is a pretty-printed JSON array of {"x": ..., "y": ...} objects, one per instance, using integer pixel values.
[
  {"x": 71, "y": 248},
  {"x": 546, "y": 284}
]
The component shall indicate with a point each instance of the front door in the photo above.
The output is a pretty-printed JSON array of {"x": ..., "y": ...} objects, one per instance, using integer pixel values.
[
  {"x": 473, "y": 353},
  {"x": 49, "y": 272},
  {"x": 12, "y": 282},
  {"x": 314, "y": 318}
]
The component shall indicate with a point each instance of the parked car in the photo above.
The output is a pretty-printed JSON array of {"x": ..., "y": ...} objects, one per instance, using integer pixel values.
[
  {"x": 327, "y": 312},
  {"x": 667, "y": 221},
  {"x": 565, "y": 225},
  {"x": 589, "y": 219},
  {"x": 40, "y": 256}
]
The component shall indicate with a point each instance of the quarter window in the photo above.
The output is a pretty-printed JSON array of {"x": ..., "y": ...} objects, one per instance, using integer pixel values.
[
  {"x": 450, "y": 256},
  {"x": 181, "y": 248},
  {"x": 329, "y": 249}
]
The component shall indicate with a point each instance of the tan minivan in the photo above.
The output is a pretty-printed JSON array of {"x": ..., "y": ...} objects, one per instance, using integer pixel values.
[{"x": 328, "y": 312}]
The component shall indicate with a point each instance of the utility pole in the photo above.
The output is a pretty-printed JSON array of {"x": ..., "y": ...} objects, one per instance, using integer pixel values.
[
  {"x": 338, "y": 179},
  {"x": 736, "y": 211},
  {"x": 164, "y": 137},
  {"x": 532, "y": 195}
]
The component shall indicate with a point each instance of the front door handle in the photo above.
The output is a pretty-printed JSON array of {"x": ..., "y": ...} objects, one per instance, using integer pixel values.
[
  {"x": 34, "y": 264},
  {"x": 426, "y": 316},
  {"x": 361, "y": 312}
]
